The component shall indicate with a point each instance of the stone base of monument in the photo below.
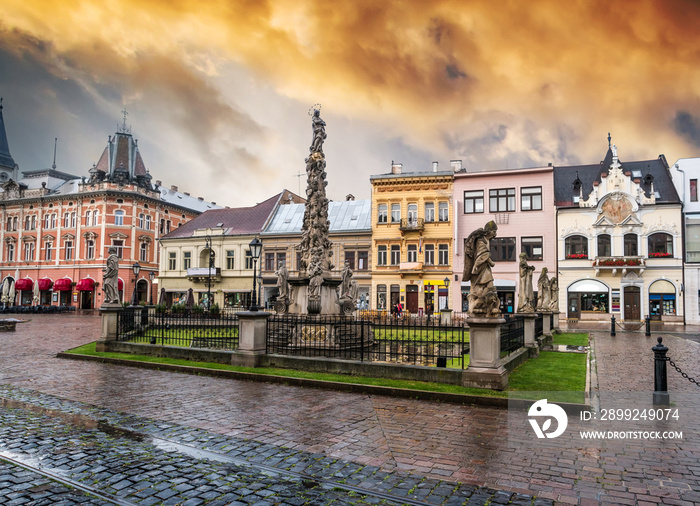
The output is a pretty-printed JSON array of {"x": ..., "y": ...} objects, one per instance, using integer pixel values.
[
  {"x": 299, "y": 302},
  {"x": 323, "y": 335},
  {"x": 109, "y": 314},
  {"x": 485, "y": 369}
]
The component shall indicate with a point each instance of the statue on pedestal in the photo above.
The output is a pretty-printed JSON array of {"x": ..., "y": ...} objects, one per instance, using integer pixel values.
[
  {"x": 110, "y": 277},
  {"x": 543, "y": 295},
  {"x": 526, "y": 294},
  {"x": 554, "y": 294},
  {"x": 483, "y": 298}
]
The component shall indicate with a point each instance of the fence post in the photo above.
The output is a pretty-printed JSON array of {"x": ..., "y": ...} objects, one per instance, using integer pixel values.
[
  {"x": 612, "y": 325},
  {"x": 252, "y": 338},
  {"x": 648, "y": 326},
  {"x": 109, "y": 314},
  {"x": 661, "y": 396}
]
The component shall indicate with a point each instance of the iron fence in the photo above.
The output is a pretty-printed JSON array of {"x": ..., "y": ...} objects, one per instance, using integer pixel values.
[
  {"x": 551, "y": 320},
  {"x": 512, "y": 335},
  {"x": 142, "y": 325},
  {"x": 379, "y": 339}
]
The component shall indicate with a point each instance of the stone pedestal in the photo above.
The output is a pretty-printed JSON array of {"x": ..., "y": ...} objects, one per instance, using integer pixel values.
[
  {"x": 546, "y": 323},
  {"x": 298, "y": 302},
  {"x": 485, "y": 367},
  {"x": 529, "y": 321},
  {"x": 556, "y": 320},
  {"x": 109, "y": 314},
  {"x": 252, "y": 326},
  {"x": 446, "y": 317}
]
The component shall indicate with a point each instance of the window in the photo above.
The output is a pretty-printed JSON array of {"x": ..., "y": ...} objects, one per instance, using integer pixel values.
[
  {"x": 34, "y": 222},
  {"x": 604, "y": 248},
  {"x": 429, "y": 212},
  {"x": 15, "y": 223},
  {"x": 141, "y": 219},
  {"x": 186, "y": 260},
  {"x": 412, "y": 213},
  {"x": 8, "y": 227},
  {"x": 96, "y": 217},
  {"x": 48, "y": 254},
  {"x": 10, "y": 252},
  {"x": 381, "y": 296},
  {"x": 89, "y": 249},
  {"x": 47, "y": 221},
  {"x": 69, "y": 250},
  {"x": 269, "y": 261},
  {"x": 73, "y": 219},
  {"x": 429, "y": 255},
  {"x": 230, "y": 257},
  {"x": 531, "y": 199},
  {"x": 501, "y": 201},
  {"x": 300, "y": 257},
  {"x": 248, "y": 259},
  {"x": 381, "y": 255},
  {"x": 119, "y": 244},
  {"x": 281, "y": 258},
  {"x": 395, "y": 254},
  {"x": 362, "y": 260},
  {"x": 630, "y": 241},
  {"x": 660, "y": 245},
  {"x": 395, "y": 213},
  {"x": 444, "y": 212},
  {"x": 412, "y": 255},
  {"x": 28, "y": 251},
  {"x": 532, "y": 247},
  {"x": 382, "y": 213},
  {"x": 143, "y": 252},
  {"x": 693, "y": 190},
  {"x": 66, "y": 220},
  {"x": 172, "y": 261},
  {"x": 88, "y": 218},
  {"x": 443, "y": 254},
  {"x": 27, "y": 222},
  {"x": 147, "y": 224},
  {"x": 350, "y": 259},
  {"x": 119, "y": 217},
  {"x": 167, "y": 226},
  {"x": 474, "y": 201},
  {"x": 503, "y": 249},
  {"x": 692, "y": 240},
  {"x": 576, "y": 246}
]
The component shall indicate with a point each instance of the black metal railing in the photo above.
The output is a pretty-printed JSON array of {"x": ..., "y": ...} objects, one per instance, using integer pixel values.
[
  {"x": 551, "y": 321},
  {"x": 539, "y": 325},
  {"x": 183, "y": 330},
  {"x": 512, "y": 335},
  {"x": 380, "y": 339}
]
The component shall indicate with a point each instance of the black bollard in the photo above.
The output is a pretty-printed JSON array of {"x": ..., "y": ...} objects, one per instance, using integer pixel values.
[
  {"x": 661, "y": 396},
  {"x": 648, "y": 329},
  {"x": 612, "y": 325}
]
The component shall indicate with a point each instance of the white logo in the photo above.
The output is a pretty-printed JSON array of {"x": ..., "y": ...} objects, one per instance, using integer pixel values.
[{"x": 541, "y": 408}]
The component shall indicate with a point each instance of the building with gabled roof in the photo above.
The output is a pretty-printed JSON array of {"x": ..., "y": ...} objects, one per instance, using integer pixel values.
[
  {"x": 221, "y": 236},
  {"x": 56, "y": 227}
]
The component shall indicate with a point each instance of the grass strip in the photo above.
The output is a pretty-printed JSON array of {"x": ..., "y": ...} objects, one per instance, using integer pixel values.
[{"x": 571, "y": 339}]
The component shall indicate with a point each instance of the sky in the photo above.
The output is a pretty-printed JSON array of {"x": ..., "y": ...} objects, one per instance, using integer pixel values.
[{"x": 218, "y": 92}]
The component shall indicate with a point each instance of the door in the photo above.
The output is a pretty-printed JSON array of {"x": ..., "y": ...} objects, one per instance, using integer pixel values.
[
  {"x": 655, "y": 307},
  {"x": 632, "y": 303},
  {"x": 86, "y": 299},
  {"x": 574, "y": 310},
  {"x": 412, "y": 298}
]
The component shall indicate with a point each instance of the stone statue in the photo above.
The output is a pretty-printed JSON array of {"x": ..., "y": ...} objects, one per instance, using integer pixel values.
[
  {"x": 526, "y": 295},
  {"x": 319, "y": 128},
  {"x": 110, "y": 277},
  {"x": 483, "y": 298},
  {"x": 345, "y": 280},
  {"x": 315, "y": 283},
  {"x": 282, "y": 281},
  {"x": 354, "y": 289},
  {"x": 554, "y": 294},
  {"x": 543, "y": 291}
]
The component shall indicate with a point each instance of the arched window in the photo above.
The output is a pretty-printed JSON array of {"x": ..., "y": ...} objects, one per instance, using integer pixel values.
[
  {"x": 660, "y": 245},
  {"x": 119, "y": 217},
  {"x": 53, "y": 220},
  {"x": 47, "y": 221},
  {"x": 72, "y": 219},
  {"x": 88, "y": 218},
  {"x": 576, "y": 246},
  {"x": 66, "y": 220},
  {"x": 96, "y": 217},
  {"x": 148, "y": 222},
  {"x": 141, "y": 220},
  {"x": 143, "y": 257},
  {"x": 631, "y": 249},
  {"x": 604, "y": 249}
]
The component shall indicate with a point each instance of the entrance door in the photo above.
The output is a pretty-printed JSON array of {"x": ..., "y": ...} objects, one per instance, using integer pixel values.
[
  {"x": 86, "y": 299},
  {"x": 412, "y": 298},
  {"x": 632, "y": 303},
  {"x": 574, "y": 309},
  {"x": 655, "y": 307}
]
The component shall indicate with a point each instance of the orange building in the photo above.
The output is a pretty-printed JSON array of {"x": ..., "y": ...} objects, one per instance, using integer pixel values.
[{"x": 56, "y": 228}]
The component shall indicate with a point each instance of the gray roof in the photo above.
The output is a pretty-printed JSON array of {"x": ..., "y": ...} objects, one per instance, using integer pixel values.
[
  {"x": 345, "y": 216},
  {"x": 180, "y": 199},
  {"x": 440, "y": 173}
]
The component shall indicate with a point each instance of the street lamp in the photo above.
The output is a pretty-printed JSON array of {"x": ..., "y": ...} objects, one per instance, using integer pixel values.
[
  {"x": 152, "y": 276},
  {"x": 207, "y": 241},
  {"x": 447, "y": 287},
  {"x": 136, "y": 268},
  {"x": 255, "y": 250}
]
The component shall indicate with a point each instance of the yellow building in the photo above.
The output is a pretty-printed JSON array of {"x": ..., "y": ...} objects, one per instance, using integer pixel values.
[{"x": 412, "y": 238}]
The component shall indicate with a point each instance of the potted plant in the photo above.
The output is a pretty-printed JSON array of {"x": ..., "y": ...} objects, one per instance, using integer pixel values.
[{"x": 215, "y": 310}]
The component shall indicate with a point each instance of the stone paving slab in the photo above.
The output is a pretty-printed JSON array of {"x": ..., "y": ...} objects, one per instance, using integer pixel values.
[{"x": 439, "y": 441}]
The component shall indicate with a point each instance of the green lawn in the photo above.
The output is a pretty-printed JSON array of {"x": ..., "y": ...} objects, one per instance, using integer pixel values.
[
  {"x": 571, "y": 339},
  {"x": 550, "y": 372},
  {"x": 419, "y": 334},
  {"x": 183, "y": 336}
]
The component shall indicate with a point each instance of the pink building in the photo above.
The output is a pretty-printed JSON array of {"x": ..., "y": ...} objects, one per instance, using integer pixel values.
[{"x": 521, "y": 202}]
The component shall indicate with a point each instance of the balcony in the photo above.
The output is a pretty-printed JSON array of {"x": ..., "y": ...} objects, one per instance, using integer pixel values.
[
  {"x": 407, "y": 225},
  {"x": 614, "y": 265},
  {"x": 201, "y": 274}
]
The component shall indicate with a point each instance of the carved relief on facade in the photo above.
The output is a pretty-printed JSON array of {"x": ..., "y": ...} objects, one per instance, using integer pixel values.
[
  {"x": 576, "y": 229},
  {"x": 661, "y": 227},
  {"x": 617, "y": 207}
]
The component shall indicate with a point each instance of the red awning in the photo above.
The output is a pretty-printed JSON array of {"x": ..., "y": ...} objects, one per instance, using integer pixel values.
[
  {"x": 45, "y": 284},
  {"x": 85, "y": 285},
  {"x": 62, "y": 285},
  {"x": 24, "y": 284},
  {"x": 120, "y": 285}
]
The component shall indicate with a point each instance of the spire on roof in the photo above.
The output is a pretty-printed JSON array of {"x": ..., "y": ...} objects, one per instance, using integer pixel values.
[
  {"x": 123, "y": 128},
  {"x": 55, "y": 143},
  {"x": 6, "y": 159},
  {"x": 609, "y": 139}
]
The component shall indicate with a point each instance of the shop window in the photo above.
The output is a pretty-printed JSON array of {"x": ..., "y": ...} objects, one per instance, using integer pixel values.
[
  {"x": 381, "y": 297},
  {"x": 597, "y": 302}
]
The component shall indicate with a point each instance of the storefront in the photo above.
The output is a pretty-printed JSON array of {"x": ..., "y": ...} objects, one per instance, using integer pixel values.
[
  {"x": 505, "y": 288},
  {"x": 86, "y": 293},
  {"x": 662, "y": 299},
  {"x": 45, "y": 285},
  {"x": 587, "y": 297},
  {"x": 24, "y": 288},
  {"x": 62, "y": 290}
]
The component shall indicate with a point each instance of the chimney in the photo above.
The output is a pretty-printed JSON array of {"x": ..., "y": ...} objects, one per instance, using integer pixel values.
[
  {"x": 187, "y": 193},
  {"x": 456, "y": 165},
  {"x": 159, "y": 182},
  {"x": 213, "y": 203},
  {"x": 350, "y": 196},
  {"x": 396, "y": 167},
  {"x": 173, "y": 188},
  {"x": 200, "y": 199},
  {"x": 435, "y": 166}
]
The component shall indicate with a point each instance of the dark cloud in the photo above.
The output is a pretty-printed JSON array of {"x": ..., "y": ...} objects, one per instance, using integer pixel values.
[{"x": 687, "y": 126}]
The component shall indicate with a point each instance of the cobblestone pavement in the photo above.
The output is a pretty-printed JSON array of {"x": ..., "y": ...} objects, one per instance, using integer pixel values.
[{"x": 374, "y": 433}]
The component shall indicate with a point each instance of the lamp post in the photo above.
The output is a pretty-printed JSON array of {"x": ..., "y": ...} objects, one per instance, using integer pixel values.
[
  {"x": 447, "y": 287},
  {"x": 207, "y": 241},
  {"x": 152, "y": 276},
  {"x": 136, "y": 268},
  {"x": 255, "y": 250}
]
